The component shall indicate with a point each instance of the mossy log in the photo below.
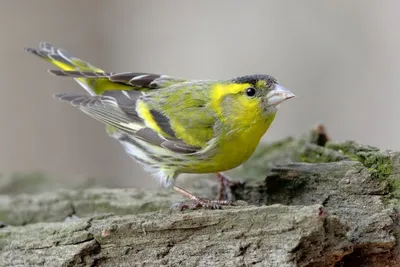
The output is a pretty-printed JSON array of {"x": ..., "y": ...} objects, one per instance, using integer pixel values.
[{"x": 305, "y": 201}]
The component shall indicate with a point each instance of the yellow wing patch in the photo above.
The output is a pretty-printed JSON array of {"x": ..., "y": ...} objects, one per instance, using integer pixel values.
[
  {"x": 60, "y": 64},
  {"x": 144, "y": 112}
]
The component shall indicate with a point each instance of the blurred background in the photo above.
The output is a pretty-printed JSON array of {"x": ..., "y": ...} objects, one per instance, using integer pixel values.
[{"x": 341, "y": 58}]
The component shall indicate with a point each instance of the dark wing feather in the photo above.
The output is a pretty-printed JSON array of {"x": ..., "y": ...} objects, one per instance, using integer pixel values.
[
  {"x": 104, "y": 109},
  {"x": 81, "y": 74},
  {"x": 144, "y": 80},
  {"x": 126, "y": 101},
  {"x": 117, "y": 108},
  {"x": 175, "y": 145},
  {"x": 135, "y": 79},
  {"x": 163, "y": 122},
  {"x": 48, "y": 54}
]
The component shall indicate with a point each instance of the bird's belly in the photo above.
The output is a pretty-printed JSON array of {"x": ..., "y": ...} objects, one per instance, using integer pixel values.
[
  {"x": 232, "y": 149},
  {"x": 229, "y": 154},
  {"x": 234, "y": 152}
]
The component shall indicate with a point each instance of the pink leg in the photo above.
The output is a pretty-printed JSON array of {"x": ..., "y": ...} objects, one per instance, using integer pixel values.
[
  {"x": 201, "y": 202},
  {"x": 224, "y": 191}
]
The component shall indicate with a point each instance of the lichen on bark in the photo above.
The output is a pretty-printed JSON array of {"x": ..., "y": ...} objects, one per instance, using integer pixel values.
[{"x": 308, "y": 201}]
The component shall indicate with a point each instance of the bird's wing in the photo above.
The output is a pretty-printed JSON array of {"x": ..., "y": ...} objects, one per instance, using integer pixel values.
[
  {"x": 61, "y": 58},
  {"x": 183, "y": 111},
  {"x": 134, "y": 79},
  {"x": 95, "y": 80},
  {"x": 65, "y": 61},
  {"x": 119, "y": 110}
]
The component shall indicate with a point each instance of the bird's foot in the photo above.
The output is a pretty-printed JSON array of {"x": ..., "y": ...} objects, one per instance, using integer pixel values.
[
  {"x": 204, "y": 203},
  {"x": 225, "y": 187},
  {"x": 198, "y": 202}
]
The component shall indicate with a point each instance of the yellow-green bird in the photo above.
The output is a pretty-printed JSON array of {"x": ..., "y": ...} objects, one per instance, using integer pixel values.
[{"x": 172, "y": 125}]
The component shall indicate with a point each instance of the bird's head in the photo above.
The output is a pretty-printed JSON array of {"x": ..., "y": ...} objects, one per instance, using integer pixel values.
[
  {"x": 263, "y": 91},
  {"x": 250, "y": 98}
]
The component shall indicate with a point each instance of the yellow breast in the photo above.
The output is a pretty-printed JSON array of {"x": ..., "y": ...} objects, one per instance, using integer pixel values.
[
  {"x": 233, "y": 150},
  {"x": 242, "y": 124}
]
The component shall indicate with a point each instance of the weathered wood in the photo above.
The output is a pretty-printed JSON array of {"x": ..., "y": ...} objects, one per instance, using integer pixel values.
[
  {"x": 309, "y": 203},
  {"x": 277, "y": 235}
]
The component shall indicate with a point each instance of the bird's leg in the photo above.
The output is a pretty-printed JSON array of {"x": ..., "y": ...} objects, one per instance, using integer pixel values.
[
  {"x": 224, "y": 191},
  {"x": 201, "y": 202}
]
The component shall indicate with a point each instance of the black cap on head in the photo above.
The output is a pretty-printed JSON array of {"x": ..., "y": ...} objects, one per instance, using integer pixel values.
[{"x": 253, "y": 79}]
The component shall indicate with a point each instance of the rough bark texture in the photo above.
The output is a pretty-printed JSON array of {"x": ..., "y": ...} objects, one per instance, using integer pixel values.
[{"x": 304, "y": 202}]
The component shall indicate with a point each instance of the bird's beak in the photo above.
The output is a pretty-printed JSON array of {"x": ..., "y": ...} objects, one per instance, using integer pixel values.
[{"x": 278, "y": 95}]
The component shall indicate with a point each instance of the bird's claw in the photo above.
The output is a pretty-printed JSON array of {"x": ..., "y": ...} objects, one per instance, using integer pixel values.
[{"x": 204, "y": 204}]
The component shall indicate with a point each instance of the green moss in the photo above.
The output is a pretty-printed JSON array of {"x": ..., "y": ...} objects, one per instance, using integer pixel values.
[
  {"x": 312, "y": 153},
  {"x": 394, "y": 183},
  {"x": 350, "y": 147},
  {"x": 347, "y": 148},
  {"x": 378, "y": 164}
]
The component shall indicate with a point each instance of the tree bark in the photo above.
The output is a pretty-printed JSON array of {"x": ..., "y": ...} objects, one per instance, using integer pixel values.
[{"x": 307, "y": 201}]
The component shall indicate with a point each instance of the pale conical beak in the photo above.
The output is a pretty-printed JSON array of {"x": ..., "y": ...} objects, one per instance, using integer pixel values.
[{"x": 278, "y": 95}]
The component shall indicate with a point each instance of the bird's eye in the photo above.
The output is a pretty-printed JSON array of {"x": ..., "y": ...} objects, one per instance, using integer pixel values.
[{"x": 250, "y": 91}]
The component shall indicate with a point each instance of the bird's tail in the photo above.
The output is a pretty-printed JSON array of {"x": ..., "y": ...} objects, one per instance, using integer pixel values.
[{"x": 65, "y": 61}]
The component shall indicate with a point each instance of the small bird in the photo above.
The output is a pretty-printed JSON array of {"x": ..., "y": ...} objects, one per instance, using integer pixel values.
[{"x": 172, "y": 125}]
